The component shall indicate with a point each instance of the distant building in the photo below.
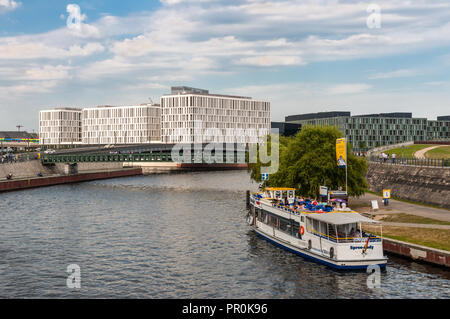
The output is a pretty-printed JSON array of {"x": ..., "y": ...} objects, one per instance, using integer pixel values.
[
  {"x": 17, "y": 135},
  {"x": 60, "y": 126},
  {"x": 189, "y": 112},
  {"x": 372, "y": 130},
  {"x": 121, "y": 124},
  {"x": 443, "y": 118},
  {"x": 286, "y": 129}
]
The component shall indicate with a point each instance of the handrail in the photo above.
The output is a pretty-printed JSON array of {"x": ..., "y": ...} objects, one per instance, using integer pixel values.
[{"x": 314, "y": 232}]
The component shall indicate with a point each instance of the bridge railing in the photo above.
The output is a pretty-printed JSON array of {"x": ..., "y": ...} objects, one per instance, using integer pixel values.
[
  {"x": 141, "y": 157},
  {"x": 428, "y": 162}
]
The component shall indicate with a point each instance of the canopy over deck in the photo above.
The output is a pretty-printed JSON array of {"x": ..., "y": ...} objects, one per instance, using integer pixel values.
[
  {"x": 279, "y": 189},
  {"x": 342, "y": 218}
]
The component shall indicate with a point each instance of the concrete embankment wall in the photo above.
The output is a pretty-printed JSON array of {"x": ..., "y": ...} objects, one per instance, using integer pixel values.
[
  {"x": 56, "y": 180},
  {"x": 31, "y": 168},
  {"x": 26, "y": 169},
  {"x": 422, "y": 184},
  {"x": 416, "y": 252}
]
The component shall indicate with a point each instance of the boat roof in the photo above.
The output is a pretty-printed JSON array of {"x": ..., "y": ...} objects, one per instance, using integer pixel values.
[
  {"x": 342, "y": 218},
  {"x": 279, "y": 189}
]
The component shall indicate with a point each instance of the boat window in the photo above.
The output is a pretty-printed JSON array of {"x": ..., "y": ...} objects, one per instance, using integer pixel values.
[
  {"x": 262, "y": 217},
  {"x": 323, "y": 228},
  {"x": 303, "y": 219},
  {"x": 285, "y": 225},
  {"x": 331, "y": 231},
  {"x": 295, "y": 229},
  {"x": 273, "y": 221},
  {"x": 315, "y": 225},
  {"x": 308, "y": 224}
]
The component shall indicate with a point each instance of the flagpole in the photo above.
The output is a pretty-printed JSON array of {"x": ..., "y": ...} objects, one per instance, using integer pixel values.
[{"x": 346, "y": 167}]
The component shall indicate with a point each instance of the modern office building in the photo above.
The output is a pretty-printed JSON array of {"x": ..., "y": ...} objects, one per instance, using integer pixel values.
[
  {"x": 286, "y": 129},
  {"x": 60, "y": 126},
  {"x": 372, "y": 130},
  {"x": 191, "y": 115},
  {"x": 121, "y": 124}
]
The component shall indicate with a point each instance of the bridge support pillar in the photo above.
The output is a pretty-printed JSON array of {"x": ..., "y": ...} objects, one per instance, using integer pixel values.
[{"x": 70, "y": 169}]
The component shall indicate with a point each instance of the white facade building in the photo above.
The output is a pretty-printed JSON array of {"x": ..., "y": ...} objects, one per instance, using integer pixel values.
[
  {"x": 189, "y": 114},
  {"x": 121, "y": 124},
  {"x": 60, "y": 126}
]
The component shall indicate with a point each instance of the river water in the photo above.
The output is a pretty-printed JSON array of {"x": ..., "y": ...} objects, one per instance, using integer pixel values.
[{"x": 170, "y": 236}]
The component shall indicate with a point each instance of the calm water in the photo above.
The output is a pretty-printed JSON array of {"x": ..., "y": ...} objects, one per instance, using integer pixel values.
[{"x": 169, "y": 236}]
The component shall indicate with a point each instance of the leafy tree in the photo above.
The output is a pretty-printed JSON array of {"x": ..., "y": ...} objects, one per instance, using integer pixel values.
[
  {"x": 308, "y": 160},
  {"x": 362, "y": 145}
]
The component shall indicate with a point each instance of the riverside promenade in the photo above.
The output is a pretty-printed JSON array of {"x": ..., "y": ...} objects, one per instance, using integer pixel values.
[{"x": 432, "y": 220}]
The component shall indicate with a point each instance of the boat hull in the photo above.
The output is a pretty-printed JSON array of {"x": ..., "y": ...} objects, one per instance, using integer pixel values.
[{"x": 341, "y": 265}]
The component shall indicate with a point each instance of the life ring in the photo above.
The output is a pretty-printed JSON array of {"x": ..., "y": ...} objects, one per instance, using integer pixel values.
[{"x": 301, "y": 230}]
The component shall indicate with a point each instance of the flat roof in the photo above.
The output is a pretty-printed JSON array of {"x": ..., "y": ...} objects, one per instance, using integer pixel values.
[
  {"x": 209, "y": 94},
  {"x": 319, "y": 115},
  {"x": 342, "y": 218}
]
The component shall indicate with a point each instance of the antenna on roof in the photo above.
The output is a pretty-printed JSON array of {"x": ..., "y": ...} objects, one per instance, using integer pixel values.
[
  {"x": 151, "y": 101},
  {"x": 19, "y": 127}
]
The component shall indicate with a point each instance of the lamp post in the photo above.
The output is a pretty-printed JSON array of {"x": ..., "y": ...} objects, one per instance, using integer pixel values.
[{"x": 403, "y": 147}]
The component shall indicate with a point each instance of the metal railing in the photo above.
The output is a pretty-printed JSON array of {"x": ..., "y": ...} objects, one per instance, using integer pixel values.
[
  {"x": 427, "y": 162},
  {"x": 344, "y": 238},
  {"x": 142, "y": 157}
]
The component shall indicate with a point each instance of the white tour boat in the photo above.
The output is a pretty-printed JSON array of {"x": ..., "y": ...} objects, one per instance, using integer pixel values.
[{"x": 331, "y": 236}]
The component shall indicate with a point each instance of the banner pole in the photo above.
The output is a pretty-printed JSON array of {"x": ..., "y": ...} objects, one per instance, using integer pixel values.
[{"x": 346, "y": 167}]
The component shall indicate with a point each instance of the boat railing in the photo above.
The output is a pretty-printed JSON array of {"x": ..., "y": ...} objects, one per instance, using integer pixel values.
[{"x": 344, "y": 239}]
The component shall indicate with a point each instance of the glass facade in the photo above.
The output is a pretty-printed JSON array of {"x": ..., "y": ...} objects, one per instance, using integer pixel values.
[{"x": 369, "y": 131}]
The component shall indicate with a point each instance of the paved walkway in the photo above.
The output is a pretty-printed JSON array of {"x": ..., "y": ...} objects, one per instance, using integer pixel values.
[
  {"x": 416, "y": 225},
  {"x": 396, "y": 207},
  {"x": 421, "y": 154}
]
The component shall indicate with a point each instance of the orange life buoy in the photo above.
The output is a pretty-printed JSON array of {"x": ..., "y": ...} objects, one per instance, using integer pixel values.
[{"x": 301, "y": 230}]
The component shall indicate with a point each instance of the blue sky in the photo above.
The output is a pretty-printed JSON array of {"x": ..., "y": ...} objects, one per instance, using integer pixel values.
[{"x": 301, "y": 55}]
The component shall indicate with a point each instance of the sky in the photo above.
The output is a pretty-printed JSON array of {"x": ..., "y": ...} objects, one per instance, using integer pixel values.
[{"x": 303, "y": 56}]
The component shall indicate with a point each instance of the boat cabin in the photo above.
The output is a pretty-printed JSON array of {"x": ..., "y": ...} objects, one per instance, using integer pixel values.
[
  {"x": 282, "y": 194},
  {"x": 340, "y": 227}
]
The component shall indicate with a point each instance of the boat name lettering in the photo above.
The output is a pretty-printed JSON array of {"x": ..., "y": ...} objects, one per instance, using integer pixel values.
[{"x": 360, "y": 247}]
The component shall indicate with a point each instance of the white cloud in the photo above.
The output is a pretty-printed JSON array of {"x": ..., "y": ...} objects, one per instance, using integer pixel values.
[
  {"x": 8, "y": 5},
  {"x": 188, "y": 40},
  {"x": 21, "y": 49},
  {"x": 349, "y": 88},
  {"x": 272, "y": 60},
  {"x": 394, "y": 74}
]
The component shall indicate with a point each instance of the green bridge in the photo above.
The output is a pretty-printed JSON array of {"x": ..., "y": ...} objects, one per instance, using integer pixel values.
[{"x": 49, "y": 159}]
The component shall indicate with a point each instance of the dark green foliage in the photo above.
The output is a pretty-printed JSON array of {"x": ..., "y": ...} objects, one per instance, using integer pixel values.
[{"x": 308, "y": 160}]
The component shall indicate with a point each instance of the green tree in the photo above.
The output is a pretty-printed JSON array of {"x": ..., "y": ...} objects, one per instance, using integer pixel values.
[{"x": 308, "y": 160}]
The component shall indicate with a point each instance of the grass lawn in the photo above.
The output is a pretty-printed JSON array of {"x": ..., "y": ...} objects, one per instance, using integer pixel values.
[
  {"x": 413, "y": 219},
  {"x": 408, "y": 151},
  {"x": 439, "y": 153},
  {"x": 434, "y": 238}
]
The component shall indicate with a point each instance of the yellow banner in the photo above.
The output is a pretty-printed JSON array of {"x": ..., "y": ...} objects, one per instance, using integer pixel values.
[{"x": 341, "y": 154}]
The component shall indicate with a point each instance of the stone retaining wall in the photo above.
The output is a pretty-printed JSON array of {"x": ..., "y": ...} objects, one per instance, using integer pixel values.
[{"x": 422, "y": 184}]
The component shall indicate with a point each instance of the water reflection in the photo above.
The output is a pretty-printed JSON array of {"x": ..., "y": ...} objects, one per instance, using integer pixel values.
[{"x": 170, "y": 236}]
